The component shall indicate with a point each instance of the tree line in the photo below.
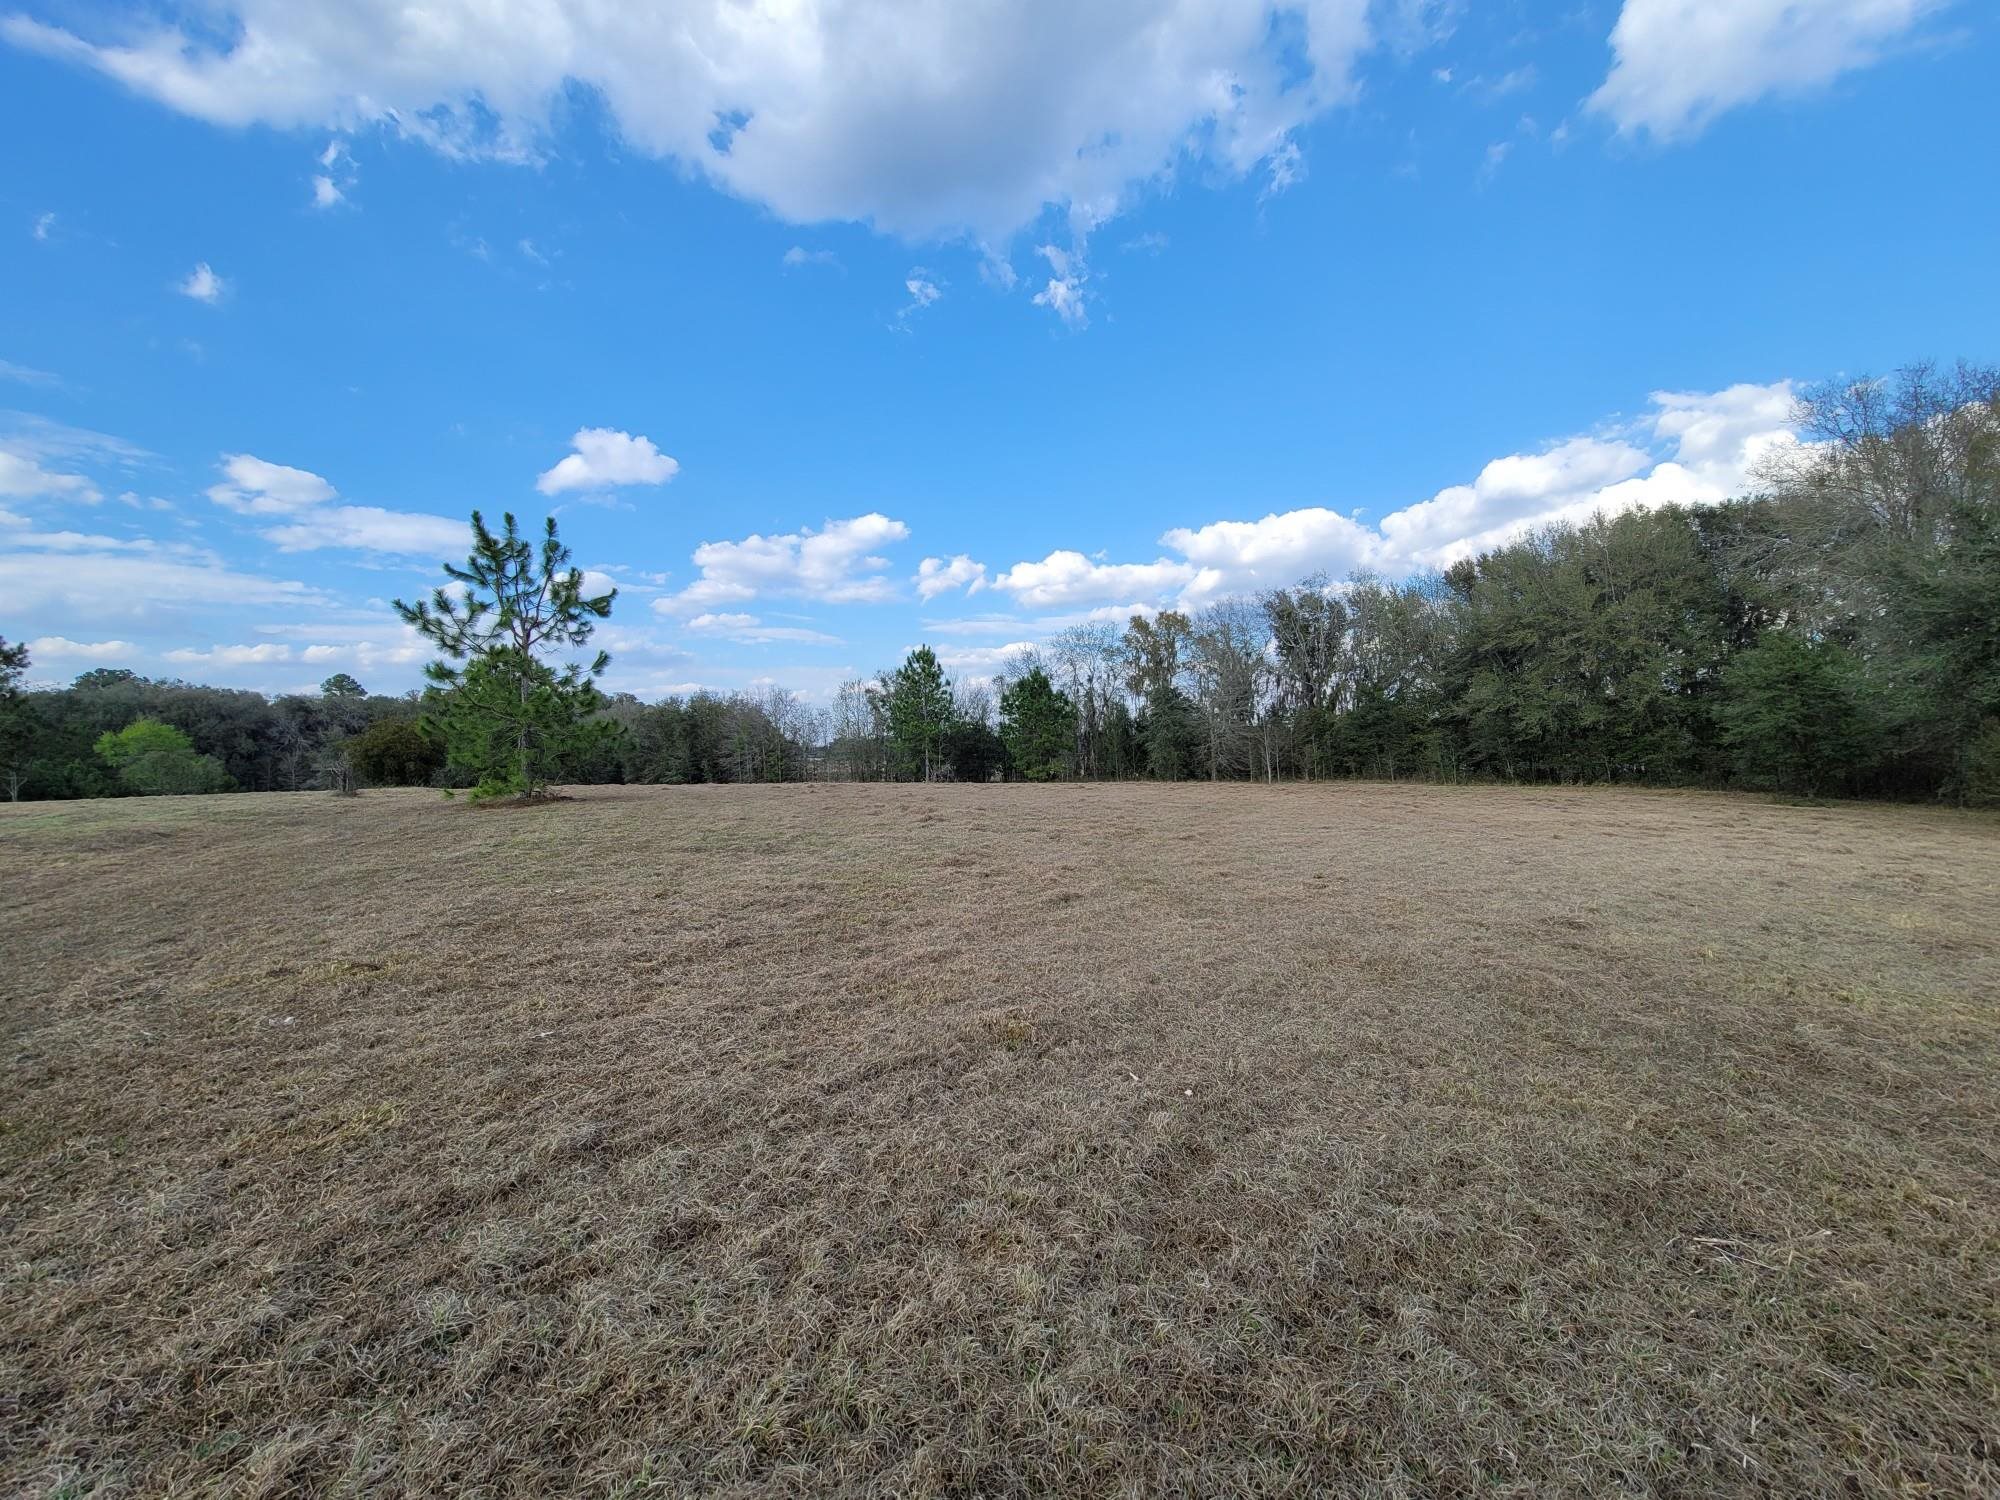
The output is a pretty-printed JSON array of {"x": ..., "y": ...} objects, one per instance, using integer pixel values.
[
  {"x": 498, "y": 718},
  {"x": 1835, "y": 632},
  {"x": 114, "y": 733}
]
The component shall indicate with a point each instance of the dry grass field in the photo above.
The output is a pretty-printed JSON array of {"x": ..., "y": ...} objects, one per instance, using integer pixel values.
[{"x": 1081, "y": 1140}]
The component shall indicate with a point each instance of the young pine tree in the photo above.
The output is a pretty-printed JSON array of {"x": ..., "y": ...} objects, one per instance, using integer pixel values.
[
  {"x": 506, "y": 716},
  {"x": 920, "y": 710},
  {"x": 1038, "y": 725}
]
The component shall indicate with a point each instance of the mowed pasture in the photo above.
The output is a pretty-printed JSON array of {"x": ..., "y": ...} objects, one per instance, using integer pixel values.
[{"x": 1000, "y": 1140}]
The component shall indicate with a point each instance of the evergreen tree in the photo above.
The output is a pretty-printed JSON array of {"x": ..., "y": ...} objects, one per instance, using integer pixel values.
[
  {"x": 16, "y": 718},
  {"x": 105, "y": 677},
  {"x": 1123, "y": 754},
  {"x": 920, "y": 710},
  {"x": 1169, "y": 731},
  {"x": 509, "y": 723},
  {"x": 342, "y": 710},
  {"x": 508, "y": 718},
  {"x": 1037, "y": 725},
  {"x": 973, "y": 751}
]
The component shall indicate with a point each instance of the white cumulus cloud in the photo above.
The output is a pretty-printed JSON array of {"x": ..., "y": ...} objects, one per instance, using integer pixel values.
[
  {"x": 982, "y": 660},
  {"x": 1237, "y": 556},
  {"x": 23, "y": 478},
  {"x": 919, "y": 118},
  {"x": 836, "y": 564},
  {"x": 1693, "y": 448},
  {"x": 257, "y": 487},
  {"x": 1521, "y": 488},
  {"x": 1678, "y": 64},
  {"x": 603, "y": 458},
  {"x": 940, "y": 575},
  {"x": 1065, "y": 578}
]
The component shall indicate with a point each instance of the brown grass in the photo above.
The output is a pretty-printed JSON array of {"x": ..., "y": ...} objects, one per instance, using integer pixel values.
[{"x": 1119, "y": 1140}]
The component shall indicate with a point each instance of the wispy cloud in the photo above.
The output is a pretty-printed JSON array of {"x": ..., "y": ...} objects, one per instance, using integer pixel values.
[
  {"x": 923, "y": 292},
  {"x": 203, "y": 285},
  {"x": 1064, "y": 294},
  {"x": 798, "y": 258},
  {"x": 23, "y": 375},
  {"x": 336, "y": 177}
]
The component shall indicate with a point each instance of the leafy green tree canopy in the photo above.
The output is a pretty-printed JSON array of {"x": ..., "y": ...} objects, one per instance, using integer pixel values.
[
  {"x": 104, "y": 677},
  {"x": 1792, "y": 712},
  {"x": 155, "y": 759},
  {"x": 394, "y": 752}
]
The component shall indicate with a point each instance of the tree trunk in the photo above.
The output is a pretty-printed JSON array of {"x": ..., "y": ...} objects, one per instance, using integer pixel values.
[{"x": 521, "y": 738}]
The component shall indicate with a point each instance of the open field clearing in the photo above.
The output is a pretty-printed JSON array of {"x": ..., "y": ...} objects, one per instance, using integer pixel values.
[{"x": 1000, "y": 1140}]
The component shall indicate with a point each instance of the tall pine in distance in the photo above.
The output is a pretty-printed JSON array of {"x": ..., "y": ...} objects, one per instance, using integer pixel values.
[
  {"x": 1037, "y": 725},
  {"x": 920, "y": 711},
  {"x": 506, "y": 715}
]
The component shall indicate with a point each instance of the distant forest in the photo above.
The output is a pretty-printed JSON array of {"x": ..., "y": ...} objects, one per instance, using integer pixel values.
[{"x": 1836, "y": 633}]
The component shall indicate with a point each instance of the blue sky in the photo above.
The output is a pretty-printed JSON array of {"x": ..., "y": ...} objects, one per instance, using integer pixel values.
[{"x": 832, "y": 329}]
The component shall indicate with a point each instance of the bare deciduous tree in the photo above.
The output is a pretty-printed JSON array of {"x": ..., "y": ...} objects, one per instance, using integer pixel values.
[
  {"x": 1230, "y": 669},
  {"x": 1083, "y": 660}
]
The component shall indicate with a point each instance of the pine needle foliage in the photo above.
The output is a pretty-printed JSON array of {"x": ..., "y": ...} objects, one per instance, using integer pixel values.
[
  {"x": 920, "y": 711},
  {"x": 508, "y": 719},
  {"x": 1037, "y": 724}
]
